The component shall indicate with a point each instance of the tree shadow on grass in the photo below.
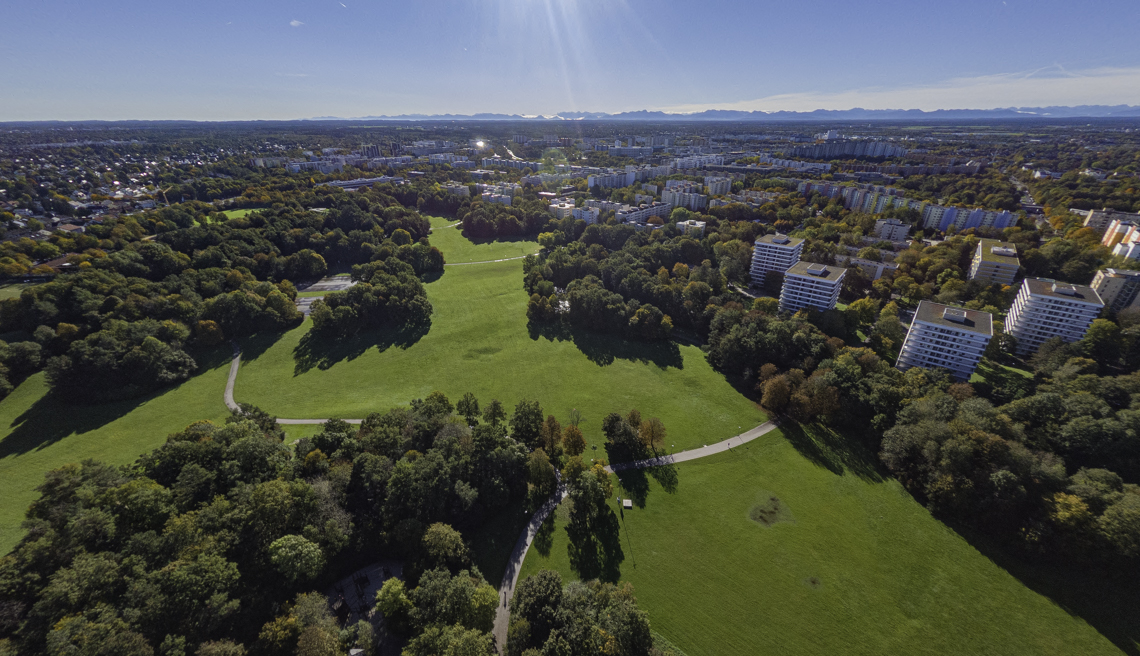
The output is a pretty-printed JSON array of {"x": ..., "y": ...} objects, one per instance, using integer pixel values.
[
  {"x": 1108, "y": 598},
  {"x": 52, "y": 417},
  {"x": 837, "y": 452},
  {"x": 1000, "y": 384},
  {"x": 597, "y": 555},
  {"x": 635, "y": 484},
  {"x": 544, "y": 538},
  {"x": 323, "y": 351},
  {"x": 512, "y": 239},
  {"x": 603, "y": 349},
  {"x": 666, "y": 476}
]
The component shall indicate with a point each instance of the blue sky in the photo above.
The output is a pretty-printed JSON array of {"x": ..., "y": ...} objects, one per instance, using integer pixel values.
[{"x": 255, "y": 59}]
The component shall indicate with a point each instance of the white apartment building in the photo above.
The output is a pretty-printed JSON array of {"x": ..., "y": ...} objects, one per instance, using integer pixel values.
[
  {"x": 492, "y": 197},
  {"x": 456, "y": 188},
  {"x": 947, "y": 337},
  {"x": 698, "y": 161},
  {"x": 562, "y": 210},
  {"x": 446, "y": 158},
  {"x": 691, "y": 227},
  {"x": 641, "y": 214},
  {"x": 715, "y": 186},
  {"x": 812, "y": 286},
  {"x": 891, "y": 229},
  {"x": 774, "y": 253},
  {"x": 995, "y": 262},
  {"x": 677, "y": 198},
  {"x": 1046, "y": 308},
  {"x": 587, "y": 214},
  {"x": 1118, "y": 288}
]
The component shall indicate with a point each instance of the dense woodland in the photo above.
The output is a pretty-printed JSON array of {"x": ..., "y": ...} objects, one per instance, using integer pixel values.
[{"x": 212, "y": 543}]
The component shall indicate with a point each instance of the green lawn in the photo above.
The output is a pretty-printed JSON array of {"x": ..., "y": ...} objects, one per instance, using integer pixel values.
[
  {"x": 38, "y": 433},
  {"x": 479, "y": 341},
  {"x": 311, "y": 294},
  {"x": 12, "y": 290},
  {"x": 237, "y": 214},
  {"x": 860, "y": 568},
  {"x": 458, "y": 249}
]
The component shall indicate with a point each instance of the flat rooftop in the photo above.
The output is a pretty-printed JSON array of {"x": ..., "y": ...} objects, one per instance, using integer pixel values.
[
  {"x": 973, "y": 320},
  {"x": 813, "y": 270},
  {"x": 777, "y": 240},
  {"x": 988, "y": 254},
  {"x": 1080, "y": 293}
]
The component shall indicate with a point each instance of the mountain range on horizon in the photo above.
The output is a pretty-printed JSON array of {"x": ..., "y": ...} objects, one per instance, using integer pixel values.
[{"x": 1080, "y": 111}]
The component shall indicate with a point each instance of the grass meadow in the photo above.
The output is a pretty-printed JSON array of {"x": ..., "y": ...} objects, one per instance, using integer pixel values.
[
  {"x": 39, "y": 432},
  {"x": 850, "y": 563},
  {"x": 480, "y": 341}
]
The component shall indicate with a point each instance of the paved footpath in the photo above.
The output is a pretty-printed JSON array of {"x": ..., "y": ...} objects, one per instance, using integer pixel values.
[
  {"x": 511, "y": 575},
  {"x": 232, "y": 405}
]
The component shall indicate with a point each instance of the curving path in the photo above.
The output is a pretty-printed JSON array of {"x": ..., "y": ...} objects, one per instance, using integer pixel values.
[
  {"x": 511, "y": 576},
  {"x": 518, "y": 555}
]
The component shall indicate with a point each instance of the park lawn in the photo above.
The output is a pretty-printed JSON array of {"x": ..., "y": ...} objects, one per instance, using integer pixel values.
[
  {"x": 312, "y": 294},
  {"x": 38, "y": 433},
  {"x": 13, "y": 290},
  {"x": 1000, "y": 368},
  {"x": 862, "y": 568},
  {"x": 237, "y": 214},
  {"x": 479, "y": 341},
  {"x": 458, "y": 249}
]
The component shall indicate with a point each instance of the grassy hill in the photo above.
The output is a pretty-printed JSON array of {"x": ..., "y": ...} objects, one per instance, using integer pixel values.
[
  {"x": 479, "y": 341},
  {"x": 39, "y": 432},
  {"x": 843, "y": 562}
]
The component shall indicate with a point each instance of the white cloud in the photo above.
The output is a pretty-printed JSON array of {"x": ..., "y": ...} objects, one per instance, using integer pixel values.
[
  {"x": 1041, "y": 88},
  {"x": 296, "y": 23}
]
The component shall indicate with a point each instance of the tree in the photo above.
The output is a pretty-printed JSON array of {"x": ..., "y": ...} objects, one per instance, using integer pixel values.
[
  {"x": 652, "y": 433},
  {"x": 863, "y": 311},
  {"x": 526, "y": 423},
  {"x": 536, "y": 600},
  {"x": 550, "y": 437},
  {"x": 392, "y": 600},
  {"x": 776, "y": 393},
  {"x": 220, "y": 648},
  {"x": 296, "y": 558},
  {"x": 468, "y": 407},
  {"x": 444, "y": 547},
  {"x": 541, "y": 475},
  {"x": 494, "y": 413},
  {"x": 1102, "y": 342},
  {"x": 572, "y": 440}
]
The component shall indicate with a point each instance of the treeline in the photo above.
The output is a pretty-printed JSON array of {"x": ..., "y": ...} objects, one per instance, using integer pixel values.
[
  {"x": 483, "y": 220},
  {"x": 103, "y": 335},
  {"x": 209, "y": 544},
  {"x": 617, "y": 280},
  {"x": 292, "y": 242}
]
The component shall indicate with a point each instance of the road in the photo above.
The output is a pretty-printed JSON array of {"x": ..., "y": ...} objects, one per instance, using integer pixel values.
[{"x": 522, "y": 545}]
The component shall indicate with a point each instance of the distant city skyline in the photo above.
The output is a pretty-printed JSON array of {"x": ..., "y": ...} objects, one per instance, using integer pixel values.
[{"x": 126, "y": 59}]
